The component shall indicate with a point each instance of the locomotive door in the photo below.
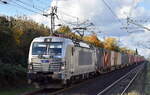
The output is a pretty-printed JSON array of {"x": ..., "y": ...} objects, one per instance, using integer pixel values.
[{"x": 73, "y": 59}]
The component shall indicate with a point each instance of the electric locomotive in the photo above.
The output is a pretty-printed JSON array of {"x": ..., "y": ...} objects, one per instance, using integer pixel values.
[{"x": 55, "y": 61}]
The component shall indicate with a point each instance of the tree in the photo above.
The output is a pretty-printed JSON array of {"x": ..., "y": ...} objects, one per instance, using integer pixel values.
[
  {"x": 93, "y": 39},
  {"x": 127, "y": 51},
  {"x": 111, "y": 44},
  {"x": 64, "y": 30},
  {"x": 15, "y": 38}
]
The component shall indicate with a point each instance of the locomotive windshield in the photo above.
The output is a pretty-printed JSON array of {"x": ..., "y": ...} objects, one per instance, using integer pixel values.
[{"x": 42, "y": 48}]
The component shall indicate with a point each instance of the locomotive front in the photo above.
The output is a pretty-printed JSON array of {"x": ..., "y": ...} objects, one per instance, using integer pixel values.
[{"x": 46, "y": 60}]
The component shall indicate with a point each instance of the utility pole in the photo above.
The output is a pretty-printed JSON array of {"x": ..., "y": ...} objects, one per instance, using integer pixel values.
[{"x": 52, "y": 15}]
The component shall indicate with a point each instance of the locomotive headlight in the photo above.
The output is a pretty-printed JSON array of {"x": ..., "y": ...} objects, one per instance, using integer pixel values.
[
  {"x": 62, "y": 67},
  {"x": 30, "y": 67}
]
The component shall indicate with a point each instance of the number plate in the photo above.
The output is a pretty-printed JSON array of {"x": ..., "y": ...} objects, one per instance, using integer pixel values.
[{"x": 45, "y": 61}]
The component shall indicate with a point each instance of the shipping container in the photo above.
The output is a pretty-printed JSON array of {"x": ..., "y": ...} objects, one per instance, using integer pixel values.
[
  {"x": 107, "y": 59},
  {"x": 113, "y": 59},
  {"x": 125, "y": 59},
  {"x": 119, "y": 60},
  {"x": 99, "y": 58}
]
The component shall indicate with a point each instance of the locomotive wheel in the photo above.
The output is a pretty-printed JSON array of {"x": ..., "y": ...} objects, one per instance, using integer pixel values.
[{"x": 66, "y": 83}]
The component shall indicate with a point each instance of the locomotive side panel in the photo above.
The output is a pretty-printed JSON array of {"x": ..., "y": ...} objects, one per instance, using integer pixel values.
[
  {"x": 69, "y": 62},
  {"x": 83, "y": 61},
  {"x": 85, "y": 58}
]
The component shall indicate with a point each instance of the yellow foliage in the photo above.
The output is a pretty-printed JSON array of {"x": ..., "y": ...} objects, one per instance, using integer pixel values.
[
  {"x": 127, "y": 51},
  {"x": 64, "y": 29},
  {"x": 93, "y": 40},
  {"x": 111, "y": 44},
  {"x": 17, "y": 34}
]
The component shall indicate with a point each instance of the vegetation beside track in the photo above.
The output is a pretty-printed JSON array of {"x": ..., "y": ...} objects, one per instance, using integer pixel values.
[
  {"x": 16, "y": 91},
  {"x": 12, "y": 75},
  {"x": 15, "y": 38}
]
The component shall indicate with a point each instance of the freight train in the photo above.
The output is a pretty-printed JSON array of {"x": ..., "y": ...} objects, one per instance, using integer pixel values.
[{"x": 57, "y": 61}]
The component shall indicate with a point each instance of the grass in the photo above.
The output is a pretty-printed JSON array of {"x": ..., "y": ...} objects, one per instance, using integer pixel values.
[
  {"x": 13, "y": 80},
  {"x": 133, "y": 93},
  {"x": 16, "y": 91}
]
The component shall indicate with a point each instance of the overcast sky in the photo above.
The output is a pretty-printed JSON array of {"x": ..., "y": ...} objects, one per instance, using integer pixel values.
[{"x": 110, "y": 21}]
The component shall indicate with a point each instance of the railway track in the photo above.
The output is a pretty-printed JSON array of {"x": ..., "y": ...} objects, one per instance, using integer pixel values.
[
  {"x": 120, "y": 86},
  {"x": 123, "y": 83},
  {"x": 40, "y": 91}
]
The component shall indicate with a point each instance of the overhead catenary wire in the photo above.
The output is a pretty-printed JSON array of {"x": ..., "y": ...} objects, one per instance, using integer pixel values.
[
  {"x": 25, "y": 8},
  {"x": 15, "y": 4},
  {"x": 41, "y": 3},
  {"x": 24, "y": 3},
  {"x": 129, "y": 15},
  {"x": 41, "y": 10},
  {"x": 133, "y": 7},
  {"x": 113, "y": 13},
  {"x": 66, "y": 14},
  {"x": 139, "y": 25}
]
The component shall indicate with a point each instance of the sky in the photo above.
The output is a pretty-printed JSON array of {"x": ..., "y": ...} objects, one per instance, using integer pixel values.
[{"x": 108, "y": 16}]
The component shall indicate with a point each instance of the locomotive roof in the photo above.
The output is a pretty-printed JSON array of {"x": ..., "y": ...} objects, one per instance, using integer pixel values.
[
  {"x": 41, "y": 39},
  {"x": 58, "y": 39}
]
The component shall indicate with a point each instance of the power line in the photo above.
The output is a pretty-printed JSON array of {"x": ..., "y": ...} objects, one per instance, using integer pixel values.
[
  {"x": 139, "y": 25},
  {"x": 131, "y": 10},
  {"x": 28, "y": 9},
  {"x": 114, "y": 14},
  {"x": 29, "y": 5},
  {"x": 68, "y": 14},
  {"x": 41, "y": 2},
  {"x": 25, "y": 8}
]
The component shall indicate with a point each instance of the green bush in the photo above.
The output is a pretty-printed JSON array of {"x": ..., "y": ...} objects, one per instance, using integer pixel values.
[{"x": 11, "y": 74}]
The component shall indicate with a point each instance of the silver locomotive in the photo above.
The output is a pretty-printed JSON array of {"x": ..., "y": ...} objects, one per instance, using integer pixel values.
[{"x": 56, "y": 61}]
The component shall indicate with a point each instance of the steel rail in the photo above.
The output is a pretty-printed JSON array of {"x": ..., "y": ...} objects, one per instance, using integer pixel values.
[
  {"x": 130, "y": 83},
  {"x": 107, "y": 88}
]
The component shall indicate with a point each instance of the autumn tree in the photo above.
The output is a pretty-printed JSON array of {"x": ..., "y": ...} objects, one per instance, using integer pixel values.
[
  {"x": 127, "y": 50},
  {"x": 16, "y": 36},
  {"x": 92, "y": 39},
  {"x": 111, "y": 44},
  {"x": 65, "y": 31}
]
